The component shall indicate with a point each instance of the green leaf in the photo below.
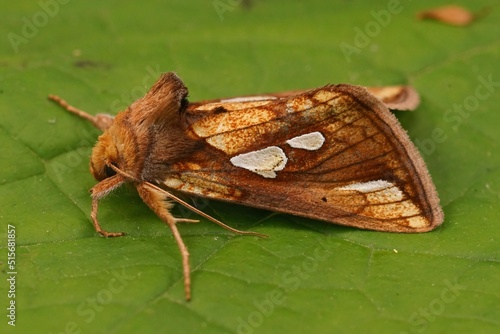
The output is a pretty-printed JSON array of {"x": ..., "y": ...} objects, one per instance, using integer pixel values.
[{"x": 308, "y": 276}]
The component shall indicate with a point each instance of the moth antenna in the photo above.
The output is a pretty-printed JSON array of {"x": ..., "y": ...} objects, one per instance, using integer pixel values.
[
  {"x": 122, "y": 173},
  {"x": 203, "y": 214},
  {"x": 100, "y": 121}
]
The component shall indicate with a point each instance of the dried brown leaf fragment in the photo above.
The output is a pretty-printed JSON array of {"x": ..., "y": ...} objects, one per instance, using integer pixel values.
[{"x": 452, "y": 14}]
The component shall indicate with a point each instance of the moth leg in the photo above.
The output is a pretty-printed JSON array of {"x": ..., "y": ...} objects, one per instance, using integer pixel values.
[
  {"x": 156, "y": 200},
  {"x": 99, "y": 191},
  {"x": 100, "y": 121},
  {"x": 201, "y": 213}
]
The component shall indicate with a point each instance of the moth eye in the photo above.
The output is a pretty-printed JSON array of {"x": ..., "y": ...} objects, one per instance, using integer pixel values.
[{"x": 108, "y": 171}]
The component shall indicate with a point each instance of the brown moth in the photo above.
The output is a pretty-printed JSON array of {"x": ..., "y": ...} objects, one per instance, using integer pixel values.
[{"x": 334, "y": 153}]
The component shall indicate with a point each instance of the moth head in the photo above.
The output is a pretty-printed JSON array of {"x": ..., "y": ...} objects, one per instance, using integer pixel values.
[
  {"x": 124, "y": 144},
  {"x": 107, "y": 153},
  {"x": 98, "y": 167}
]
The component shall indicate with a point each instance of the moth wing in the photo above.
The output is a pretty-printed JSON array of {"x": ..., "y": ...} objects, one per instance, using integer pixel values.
[
  {"x": 398, "y": 97},
  {"x": 335, "y": 153}
]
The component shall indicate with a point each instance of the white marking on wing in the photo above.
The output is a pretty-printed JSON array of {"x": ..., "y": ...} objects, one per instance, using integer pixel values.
[
  {"x": 368, "y": 187},
  {"x": 387, "y": 195},
  {"x": 388, "y": 201},
  {"x": 265, "y": 162},
  {"x": 310, "y": 141},
  {"x": 248, "y": 99},
  {"x": 377, "y": 192}
]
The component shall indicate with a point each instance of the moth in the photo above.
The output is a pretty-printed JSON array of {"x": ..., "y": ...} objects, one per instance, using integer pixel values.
[{"x": 334, "y": 153}]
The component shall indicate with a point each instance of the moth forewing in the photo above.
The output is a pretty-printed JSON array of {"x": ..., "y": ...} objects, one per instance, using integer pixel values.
[
  {"x": 299, "y": 153},
  {"x": 334, "y": 153}
]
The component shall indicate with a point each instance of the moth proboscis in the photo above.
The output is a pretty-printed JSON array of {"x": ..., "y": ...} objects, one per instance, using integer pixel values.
[{"x": 334, "y": 153}]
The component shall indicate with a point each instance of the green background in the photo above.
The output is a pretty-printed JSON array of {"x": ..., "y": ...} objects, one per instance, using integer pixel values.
[{"x": 308, "y": 276}]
